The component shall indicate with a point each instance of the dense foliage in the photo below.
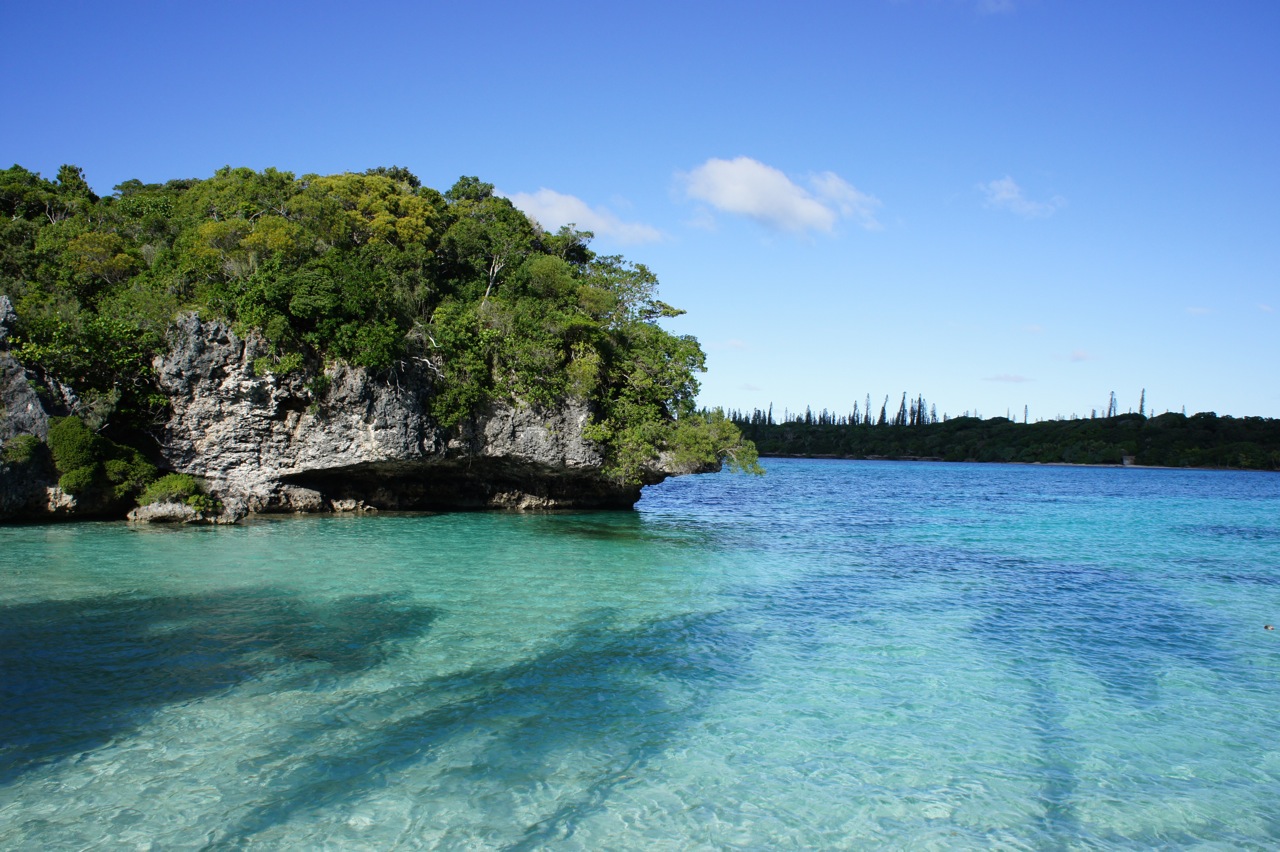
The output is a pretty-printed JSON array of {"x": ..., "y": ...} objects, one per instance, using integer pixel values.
[
  {"x": 1172, "y": 440},
  {"x": 21, "y": 449},
  {"x": 88, "y": 463},
  {"x": 373, "y": 269},
  {"x": 179, "y": 488}
]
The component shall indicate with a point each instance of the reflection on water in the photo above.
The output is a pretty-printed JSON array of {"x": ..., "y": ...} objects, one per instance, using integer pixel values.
[{"x": 838, "y": 655}]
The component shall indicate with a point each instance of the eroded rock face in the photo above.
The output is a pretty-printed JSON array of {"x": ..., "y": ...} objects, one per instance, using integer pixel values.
[
  {"x": 344, "y": 440},
  {"x": 21, "y": 410},
  {"x": 24, "y": 485},
  {"x": 170, "y": 512},
  {"x": 247, "y": 433},
  {"x": 356, "y": 439},
  {"x": 8, "y": 319},
  {"x": 26, "y": 490}
]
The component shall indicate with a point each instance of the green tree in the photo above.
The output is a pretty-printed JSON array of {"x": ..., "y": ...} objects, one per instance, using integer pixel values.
[
  {"x": 488, "y": 237},
  {"x": 373, "y": 269}
]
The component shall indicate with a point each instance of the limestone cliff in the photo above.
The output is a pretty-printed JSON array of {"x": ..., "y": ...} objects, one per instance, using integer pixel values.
[
  {"x": 343, "y": 440},
  {"x": 27, "y": 487}
]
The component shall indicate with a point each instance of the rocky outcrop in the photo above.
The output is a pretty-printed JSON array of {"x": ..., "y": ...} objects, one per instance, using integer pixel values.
[
  {"x": 347, "y": 439},
  {"x": 21, "y": 410},
  {"x": 170, "y": 512},
  {"x": 8, "y": 319},
  {"x": 344, "y": 439},
  {"x": 23, "y": 481},
  {"x": 27, "y": 490}
]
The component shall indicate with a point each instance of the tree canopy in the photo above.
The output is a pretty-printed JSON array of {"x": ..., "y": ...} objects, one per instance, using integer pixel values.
[
  {"x": 1167, "y": 440},
  {"x": 373, "y": 269}
]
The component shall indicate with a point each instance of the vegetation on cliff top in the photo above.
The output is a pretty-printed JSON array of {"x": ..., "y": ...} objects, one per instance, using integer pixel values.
[{"x": 370, "y": 268}]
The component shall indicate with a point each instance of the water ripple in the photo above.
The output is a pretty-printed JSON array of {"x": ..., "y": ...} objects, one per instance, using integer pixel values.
[{"x": 838, "y": 655}]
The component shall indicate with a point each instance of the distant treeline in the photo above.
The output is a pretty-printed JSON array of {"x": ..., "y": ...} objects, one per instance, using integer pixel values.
[{"x": 1172, "y": 440}]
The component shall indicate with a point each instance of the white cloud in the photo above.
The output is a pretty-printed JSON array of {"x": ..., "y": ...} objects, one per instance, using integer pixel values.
[
  {"x": 1034, "y": 328},
  {"x": 552, "y": 209},
  {"x": 1005, "y": 194},
  {"x": 1266, "y": 309},
  {"x": 1197, "y": 311},
  {"x": 846, "y": 198},
  {"x": 747, "y": 187},
  {"x": 1008, "y": 377},
  {"x": 1079, "y": 355}
]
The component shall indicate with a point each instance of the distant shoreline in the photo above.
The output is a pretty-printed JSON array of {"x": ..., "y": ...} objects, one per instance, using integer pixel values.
[
  {"x": 830, "y": 457},
  {"x": 1203, "y": 441}
]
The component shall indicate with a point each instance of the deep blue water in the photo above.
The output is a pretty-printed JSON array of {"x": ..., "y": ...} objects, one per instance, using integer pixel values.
[{"x": 837, "y": 655}]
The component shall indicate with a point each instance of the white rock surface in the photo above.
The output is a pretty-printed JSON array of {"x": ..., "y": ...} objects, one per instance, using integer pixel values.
[{"x": 365, "y": 439}]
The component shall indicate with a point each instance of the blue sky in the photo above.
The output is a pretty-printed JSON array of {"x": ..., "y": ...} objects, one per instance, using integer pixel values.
[{"x": 993, "y": 203}]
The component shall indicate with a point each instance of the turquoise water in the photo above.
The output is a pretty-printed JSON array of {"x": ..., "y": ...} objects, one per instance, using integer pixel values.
[{"x": 838, "y": 655}]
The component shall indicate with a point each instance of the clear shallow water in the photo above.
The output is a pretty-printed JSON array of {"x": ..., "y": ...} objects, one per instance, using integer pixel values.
[{"x": 838, "y": 655}]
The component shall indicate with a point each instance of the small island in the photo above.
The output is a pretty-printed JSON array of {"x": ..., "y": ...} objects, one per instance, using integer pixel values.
[{"x": 267, "y": 342}]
